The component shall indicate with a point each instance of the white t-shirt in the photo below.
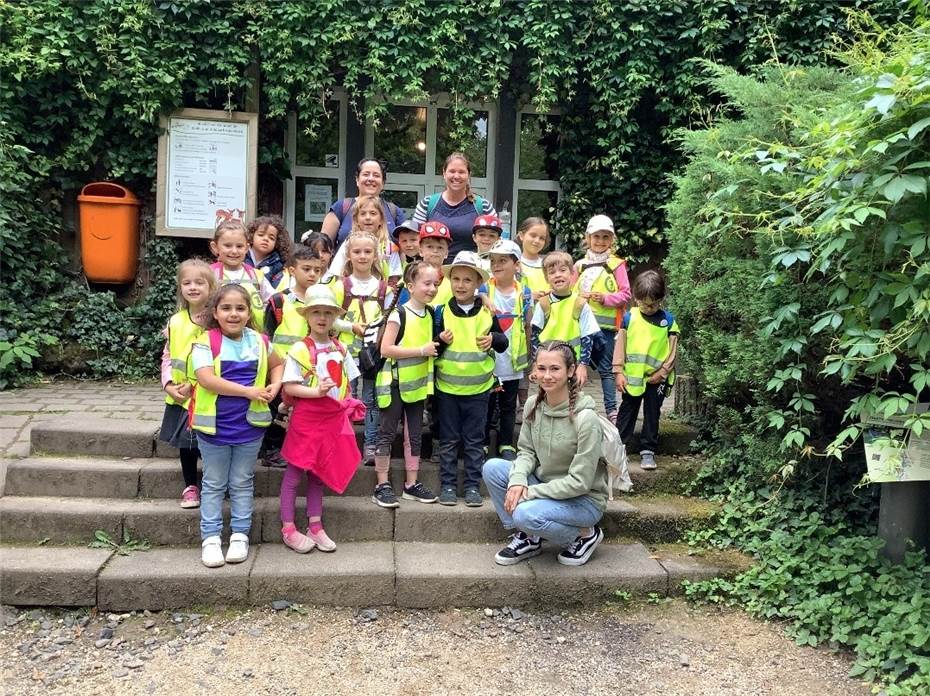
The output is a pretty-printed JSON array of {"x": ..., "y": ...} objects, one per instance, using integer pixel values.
[
  {"x": 338, "y": 264},
  {"x": 240, "y": 276},
  {"x": 587, "y": 320},
  {"x": 506, "y": 304},
  {"x": 326, "y": 353}
]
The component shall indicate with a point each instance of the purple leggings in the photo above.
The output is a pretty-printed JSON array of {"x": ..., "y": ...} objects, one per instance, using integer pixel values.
[{"x": 289, "y": 484}]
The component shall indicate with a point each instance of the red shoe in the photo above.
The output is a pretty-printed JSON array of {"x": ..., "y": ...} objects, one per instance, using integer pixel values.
[{"x": 190, "y": 497}]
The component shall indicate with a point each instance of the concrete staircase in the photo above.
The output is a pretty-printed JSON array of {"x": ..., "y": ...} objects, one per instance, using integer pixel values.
[{"x": 94, "y": 474}]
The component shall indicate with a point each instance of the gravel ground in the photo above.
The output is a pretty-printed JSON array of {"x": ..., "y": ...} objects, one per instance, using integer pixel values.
[{"x": 669, "y": 649}]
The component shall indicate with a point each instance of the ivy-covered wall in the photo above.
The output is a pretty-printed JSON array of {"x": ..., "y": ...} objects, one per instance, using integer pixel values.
[{"x": 82, "y": 85}]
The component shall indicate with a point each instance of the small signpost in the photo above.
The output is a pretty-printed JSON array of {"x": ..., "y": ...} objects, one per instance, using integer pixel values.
[{"x": 207, "y": 163}]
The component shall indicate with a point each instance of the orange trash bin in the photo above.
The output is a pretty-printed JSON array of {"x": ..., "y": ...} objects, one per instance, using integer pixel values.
[{"x": 109, "y": 219}]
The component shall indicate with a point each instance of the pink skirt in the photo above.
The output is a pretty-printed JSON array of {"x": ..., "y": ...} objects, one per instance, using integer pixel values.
[{"x": 320, "y": 439}]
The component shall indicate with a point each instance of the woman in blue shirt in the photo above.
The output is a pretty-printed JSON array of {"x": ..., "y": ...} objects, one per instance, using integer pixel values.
[{"x": 370, "y": 176}]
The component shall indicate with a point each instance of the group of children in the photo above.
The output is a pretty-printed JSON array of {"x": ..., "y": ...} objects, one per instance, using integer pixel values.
[{"x": 266, "y": 354}]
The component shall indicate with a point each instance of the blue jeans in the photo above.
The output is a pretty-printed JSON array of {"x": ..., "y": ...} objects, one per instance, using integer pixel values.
[
  {"x": 602, "y": 357},
  {"x": 371, "y": 409},
  {"x": 559, "y": 521},
  {"x": 227, "y": 468}
]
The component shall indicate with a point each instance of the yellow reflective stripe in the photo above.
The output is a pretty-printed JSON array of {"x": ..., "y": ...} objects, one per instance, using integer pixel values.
[
  {"x": 410, "y": 362},
  {"x": 204, "y": 420},
  {"x": 635, "y": 381},
  {"x": 180, "y": 365},
  {"x": 413, "y": 385},
  {"x": 258, "y": 417},
  {"x": 646, "y": 359},
  {"x": 286, "y": 340}
]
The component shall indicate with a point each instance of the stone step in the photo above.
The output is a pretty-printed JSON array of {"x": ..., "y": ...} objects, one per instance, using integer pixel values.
[
  {"x": 96, "y": 435},
  {"x": 356, "y": 574},
  {"x": 353, "y": 518},
  {"x": 161, "y": 477}
]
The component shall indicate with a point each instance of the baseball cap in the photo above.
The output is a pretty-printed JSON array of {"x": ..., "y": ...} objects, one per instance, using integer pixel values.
[
  {"x": 405, "y": 226},
  {"x": 508, "y": 247},
  {"x": 435, "y": 230},
  {"x": 600, "y": 223},
  {"x": 491, "y": 222}
]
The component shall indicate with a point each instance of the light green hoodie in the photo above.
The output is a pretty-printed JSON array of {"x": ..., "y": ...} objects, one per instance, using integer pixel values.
[{"x": 564, "y": 455}]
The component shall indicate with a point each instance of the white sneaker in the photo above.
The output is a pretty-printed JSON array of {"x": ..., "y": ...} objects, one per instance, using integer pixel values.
[
  {"x": 238, "y": 548},
  {"x": 647, "y": 460},
  {"x": 211, "y": 552}
]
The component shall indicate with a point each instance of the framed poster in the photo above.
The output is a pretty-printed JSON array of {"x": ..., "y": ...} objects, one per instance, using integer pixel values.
[{"x": 207, "y": 163}]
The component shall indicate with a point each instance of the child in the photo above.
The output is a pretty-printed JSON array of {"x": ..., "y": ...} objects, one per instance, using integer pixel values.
[
  {"x": 237, "y": 376},
  {"x": 405, "y": 380},
  {"x": 486, "y": 231},
  {"x": 564, "y": 316},
  {"x": 286, "y": 327},
  {"x": 368, "y": 216},
  {"x": 533, "y": 235},
  {"x": 406, "y": 238},
  {"x": 512, "y": 304},
  {"x": 196, "y": 283},
  {"x": 464, "y": 376},
  {"x": 644, "y": 362},
  {"x": 320, "y": 439},
  {"x": 269, "y": 250},
  {"x": 322, "y": 245},
  {"x": 364, "y": 296},
  {"x": 602, "y": 281},
  {"x": 557, "y": 488},
  {"x": 230, "y": 245},
  {"x": 435, "y": 239}
]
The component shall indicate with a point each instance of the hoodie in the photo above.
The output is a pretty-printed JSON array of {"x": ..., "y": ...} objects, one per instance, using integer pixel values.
[{"x": 564, "y": 455}]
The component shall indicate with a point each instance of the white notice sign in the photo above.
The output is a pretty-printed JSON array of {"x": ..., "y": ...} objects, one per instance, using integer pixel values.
[
  {"x": 207, "y": 178},
  {"x": 317, "y": 200}
]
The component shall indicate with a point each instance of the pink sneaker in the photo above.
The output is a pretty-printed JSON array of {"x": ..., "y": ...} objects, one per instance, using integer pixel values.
[
  {"x": 295, "y": 540},
  {"x": 190, "y": 497},
  {"x": 322, "y": 540}
]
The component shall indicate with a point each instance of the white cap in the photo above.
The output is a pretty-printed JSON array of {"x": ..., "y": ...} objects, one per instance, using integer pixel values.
[
  {"x": 507, "y": 247},
  {"x": 466, "y": 259},
  {"x": 599, "y": 223}
]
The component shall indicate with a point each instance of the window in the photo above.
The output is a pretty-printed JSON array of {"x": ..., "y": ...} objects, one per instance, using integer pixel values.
[
  {"x": 536, "y": 187},
  {"x": 319, "y": 163}
]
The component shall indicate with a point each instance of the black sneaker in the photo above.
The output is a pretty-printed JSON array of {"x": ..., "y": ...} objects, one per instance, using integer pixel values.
[
  {"x": 274, "y": 460},
  {"x": 507, "y": 452},
  {"x": 473, "y": 497},
  {"x": 419, "y": 492},
  {"x": 519, "y": 549},
  {"x": 384, "y": 496},
  {"x": 448, "y": 496},
  {"x": 579, "y": 551}
]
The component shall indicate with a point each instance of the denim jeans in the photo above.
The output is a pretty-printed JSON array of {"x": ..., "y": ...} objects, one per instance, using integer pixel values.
[
  {"x": 559, "y": 521},
  {"x": 371, "y": 408},
  {"x": 461, "y": 422},
  {"x": 602, "y": 357},
  {"x": 227, "y": 468}
]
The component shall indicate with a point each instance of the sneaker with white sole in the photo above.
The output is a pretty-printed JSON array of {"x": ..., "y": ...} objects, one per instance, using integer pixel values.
[
  {"x": 211, "y": 552},
  {"x": 238, "y": 549},
  {"x": 293, "y": 539},
  {"x": 520, "y": 548},
  {"x": 579, "y": 551},
  {"x": 419, "y": 493},
  {"x": 384, "y": 496},
  {"x": 190, "y": 498},
  {"x": 322, "y": 540},
  {"x": 647, "y": 460}
]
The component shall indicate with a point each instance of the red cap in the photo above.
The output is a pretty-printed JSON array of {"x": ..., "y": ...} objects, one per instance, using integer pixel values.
[
  {"x": 489, "y": 221},
  {"x": 435, "y": 230}
]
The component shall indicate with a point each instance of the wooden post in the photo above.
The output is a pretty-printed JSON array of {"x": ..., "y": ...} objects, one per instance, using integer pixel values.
[
  {"x": 253, "y": 91},
  {"x": 903, "y": 517}
]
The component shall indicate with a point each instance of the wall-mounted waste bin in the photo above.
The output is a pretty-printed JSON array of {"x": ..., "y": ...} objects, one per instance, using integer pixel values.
[{"x": 109, "y": 216}]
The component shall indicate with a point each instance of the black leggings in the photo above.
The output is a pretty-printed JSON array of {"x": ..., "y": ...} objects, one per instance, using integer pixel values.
[
  {"x": 391, "y": 418},
  {"x": 189, "y": 459}
]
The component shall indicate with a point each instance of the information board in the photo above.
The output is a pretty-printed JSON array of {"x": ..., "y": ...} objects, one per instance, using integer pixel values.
[{"x": 206, "y": 171}]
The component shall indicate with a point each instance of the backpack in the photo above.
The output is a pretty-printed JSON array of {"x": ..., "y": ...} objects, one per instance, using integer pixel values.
[
  {"x": 347, "y": 296},
  {"x": 370, "y": 360},
  {"x": 613, "y": 452},
  {"x": 433, "y": 201}
]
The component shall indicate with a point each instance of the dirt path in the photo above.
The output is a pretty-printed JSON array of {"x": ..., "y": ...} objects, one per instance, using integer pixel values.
[{"x": 666, "y": 649}]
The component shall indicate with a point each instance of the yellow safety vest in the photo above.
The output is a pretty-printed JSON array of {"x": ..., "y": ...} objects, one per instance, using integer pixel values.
[
  {"x": 285, "y": 283},
  {"x": 647, "y": 347},
  {"x": 301, "y": 353},
  {"x": 203, "y": 405},
  {"x": 358, "y": 310},
  {"x": 443, "y": 293},
  {"x": 414, "y": 375},
  {"x": 533, "y": 277},
  {"x": 293, "y": 326},
  {"x": 607, "y": 317},
  {"x": 517, "y": 348},
  {"x": 562, "y": 321},
  {"x": 182, "y": 330},
  {"x": 251, "y": 281},
  {"x": 463, "y": 368}
]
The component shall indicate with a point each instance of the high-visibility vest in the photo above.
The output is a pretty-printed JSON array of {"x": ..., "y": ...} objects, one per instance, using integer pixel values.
[
  {"x": 414, "y": 375},
  {"x": 305, "y": 353},
  {"x": 284, "y": 284},
  {"x": 359, "y": 309},
  {"x": 443, "y": 293},
  {"x": 562, "y": 321},
  {"x": 517, "y": 348},
  {"x": 463, "y": 368},
  {"x": 533, "y": 277},
  {"x": 252, "y": 282},
  {"x": 182, "y": 330},
  {"x": 292, "y": 326},
  {"x": 203, "y": 404},
  {"x": 647, "y": 347},
  {"x": 607, "y": 317}
]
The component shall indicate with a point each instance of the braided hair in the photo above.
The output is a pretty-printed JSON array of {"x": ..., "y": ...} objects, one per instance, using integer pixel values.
[{"x": 564, "y": 349}]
